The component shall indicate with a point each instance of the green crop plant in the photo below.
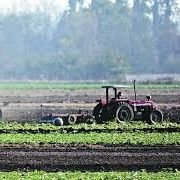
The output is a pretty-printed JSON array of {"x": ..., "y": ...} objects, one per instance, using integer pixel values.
[
  {"x": 133, "y": 126},
  {"x": 139, "y": 175},
  {"x": 136, "y": 138}
]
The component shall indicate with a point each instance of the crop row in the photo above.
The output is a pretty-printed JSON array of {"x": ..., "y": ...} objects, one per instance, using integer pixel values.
[
  {"x": 61, "y": 85},
  {"x": 90, "y": 175},
  {"x": 110, "y": 127},
  {"x": 136, "y": 138},
  {"x": 87, "y": 130}
]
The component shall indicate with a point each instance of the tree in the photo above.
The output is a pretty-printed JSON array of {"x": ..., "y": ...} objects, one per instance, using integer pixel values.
[{"x": 165, "y": 30}]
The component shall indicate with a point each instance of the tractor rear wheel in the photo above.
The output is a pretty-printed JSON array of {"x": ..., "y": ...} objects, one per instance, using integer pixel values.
[
  {"x": 0, "y": 113},
  {"x": 124, "y": 113},
  {"x": 156, "y": 116},
  {"x": 97, "y": 113}
]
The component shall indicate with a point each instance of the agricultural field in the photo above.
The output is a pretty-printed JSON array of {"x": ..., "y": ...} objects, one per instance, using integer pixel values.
[
  {"x": 28, "y": 101},
  {"x": 93, "y": 148},
  {"x": 87, "y": 151}
]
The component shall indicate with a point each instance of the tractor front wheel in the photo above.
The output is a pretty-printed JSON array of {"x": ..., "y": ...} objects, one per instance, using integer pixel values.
[
  {"x": 124, "y": 113},
  {"x": 156, "y": 116}
]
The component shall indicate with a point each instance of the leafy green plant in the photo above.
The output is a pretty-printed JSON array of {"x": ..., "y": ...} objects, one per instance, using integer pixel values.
[
  {"x": 16, "y": 175},
  {"x": 110, "y": 127},
  {"x": 136, "y": 138}
]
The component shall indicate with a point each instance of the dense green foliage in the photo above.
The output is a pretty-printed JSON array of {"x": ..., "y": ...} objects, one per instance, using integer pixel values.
[
  {"x": 37, "y": 175},
  {"x": 133, "y": 126},
  {"x": 136, "y": 138},
  {"x": 103, "y": 41}
]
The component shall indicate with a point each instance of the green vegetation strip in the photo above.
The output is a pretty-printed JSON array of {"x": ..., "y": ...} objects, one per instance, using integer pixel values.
[
  {"x": 141, "y": 175},
  {"x": 70, "y": 134},
  {"x": 72, "y": 86},
  {"x": 46, "y": 85},
  {"x": 112, "y": 125},
  {"x": 137, "y": 138},
  {"x": 158, "y": 86}
]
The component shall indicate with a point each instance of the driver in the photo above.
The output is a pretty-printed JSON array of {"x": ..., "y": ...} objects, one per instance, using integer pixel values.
[{"x": 119, "y": 95}]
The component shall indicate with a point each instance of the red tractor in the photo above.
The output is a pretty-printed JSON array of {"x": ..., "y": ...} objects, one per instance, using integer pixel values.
[{"x": 125, "y": 110}]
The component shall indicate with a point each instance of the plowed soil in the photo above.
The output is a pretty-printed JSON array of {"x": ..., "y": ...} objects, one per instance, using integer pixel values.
[
  {"x": 88, "y": 157},
  {"x": 28, "y": 106}
]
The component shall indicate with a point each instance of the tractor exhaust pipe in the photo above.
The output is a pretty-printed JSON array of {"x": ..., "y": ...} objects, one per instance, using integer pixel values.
[{"x": 134, "y": 82}]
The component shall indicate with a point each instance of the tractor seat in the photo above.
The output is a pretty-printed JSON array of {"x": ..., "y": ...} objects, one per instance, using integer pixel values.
[{"x": 102, "y": 101}]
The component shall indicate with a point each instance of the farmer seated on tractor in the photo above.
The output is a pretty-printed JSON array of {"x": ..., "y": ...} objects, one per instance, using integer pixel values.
[
  {"x": 119, "y": 95},
  {"x": 148, "y": 98}
]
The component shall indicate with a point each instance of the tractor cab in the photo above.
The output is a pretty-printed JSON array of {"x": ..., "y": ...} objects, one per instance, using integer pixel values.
[{"x": 112, "y": 93}]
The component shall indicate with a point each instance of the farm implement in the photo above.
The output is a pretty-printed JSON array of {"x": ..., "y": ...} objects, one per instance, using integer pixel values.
[
  {"x": 67, "y": 119},
  {"x": 114, "y": 106}
]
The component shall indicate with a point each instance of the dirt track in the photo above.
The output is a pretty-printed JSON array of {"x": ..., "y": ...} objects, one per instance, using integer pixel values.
[{"x": 88, "y": 157}]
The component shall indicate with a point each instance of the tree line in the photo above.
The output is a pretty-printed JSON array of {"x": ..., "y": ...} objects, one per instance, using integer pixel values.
[{"x": 104, "y": 41}]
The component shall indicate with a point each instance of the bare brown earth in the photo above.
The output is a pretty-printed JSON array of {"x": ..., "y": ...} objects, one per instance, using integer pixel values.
[
  {"x": 21, "y": 105},
  {"x": 88, "y": 157}
]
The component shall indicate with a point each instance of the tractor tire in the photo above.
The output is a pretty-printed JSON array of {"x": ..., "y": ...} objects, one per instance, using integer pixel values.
[
  {"x": 155, "y": 116},
  {"x": 58, "y": 122},
  {"x": 97, "y": 114},
  {"x": 0, "y": 113},
  {"x": 124, "y": 113},
  {"x": 72, "y": 119}
]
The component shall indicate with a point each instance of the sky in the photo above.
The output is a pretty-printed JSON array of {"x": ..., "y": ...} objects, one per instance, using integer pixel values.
[
  {"x": 52, "y": 6},
  {"x": 8, "y": 6}
]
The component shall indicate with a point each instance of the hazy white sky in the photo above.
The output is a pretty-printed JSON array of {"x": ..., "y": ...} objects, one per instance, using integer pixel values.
[
  {"x": 54, "y": 6},
  {"x": 7, "y": 6}
]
